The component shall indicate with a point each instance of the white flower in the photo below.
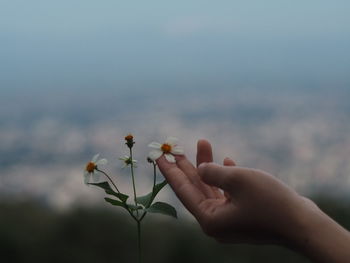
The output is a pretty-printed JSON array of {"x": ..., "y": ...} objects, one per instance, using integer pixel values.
[
  {"x": 168, "y": 148},
  {"x": 127, "y": 161},
  {"x": 90, "y": 168}
]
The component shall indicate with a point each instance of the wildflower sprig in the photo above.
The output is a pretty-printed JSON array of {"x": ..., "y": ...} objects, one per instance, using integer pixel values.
[
  {"x": 141, "y": 205},
  {"x": 127, "y": 161},
  {"x": 168, "y": 149},
  {"x": 91, "y": 167}
]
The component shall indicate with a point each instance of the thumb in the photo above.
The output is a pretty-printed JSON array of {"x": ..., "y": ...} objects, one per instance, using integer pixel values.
[{"x": 220, "y": 176}]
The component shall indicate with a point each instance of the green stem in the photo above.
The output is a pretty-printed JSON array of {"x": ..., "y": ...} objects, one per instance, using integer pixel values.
[
  {"x": 139, "y": 240},
  {"x": 154, "y": 184},
  {"x": 154, "y": 174},
  {"x": 127, "y": 209},
  {"x": 133, "y": 179},
  {"x": 109, "y": 178}
]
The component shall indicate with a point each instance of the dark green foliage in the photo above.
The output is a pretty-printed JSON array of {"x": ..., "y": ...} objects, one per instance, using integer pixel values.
[
  {"x": 114, "y": 202},
  {"x": 110, "y": 191},
  {"x": 146, "y": 200},
  {"x": 33, "y": 233},
  {"x": 162, "y": 208}
]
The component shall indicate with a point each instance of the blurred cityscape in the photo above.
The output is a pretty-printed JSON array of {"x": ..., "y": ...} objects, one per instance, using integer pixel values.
[{"x": 302, "y": 137}]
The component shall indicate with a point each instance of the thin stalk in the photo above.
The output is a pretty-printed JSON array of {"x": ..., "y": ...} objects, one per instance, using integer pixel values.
[
  {"x": 109, "y": 178},
  {"x": 133, "y": 179},
  {"x": 139, "y": 240},
  {"x": 132, "y": 215},
  {"x": 142, "y": 216},
  {"x": 154, "y": 174},
  {"x": 154, "y": 184}
]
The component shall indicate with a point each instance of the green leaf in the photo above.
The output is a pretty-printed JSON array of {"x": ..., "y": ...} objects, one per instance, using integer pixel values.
[
  {"x": 121, "y": 196},
  {"x": 110, "y": 191},
  {"x": 121, "y": 204},
  {"x": 162, "y": 208},
  {"x": 159, "y": 187},
  {"x": 114, "y": 202},
  {"x": 134, "y": 207},
  {"x": 146, "y": 200}
]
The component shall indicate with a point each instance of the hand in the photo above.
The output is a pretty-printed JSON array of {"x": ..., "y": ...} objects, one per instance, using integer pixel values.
[{"x": 234, "y": 204}]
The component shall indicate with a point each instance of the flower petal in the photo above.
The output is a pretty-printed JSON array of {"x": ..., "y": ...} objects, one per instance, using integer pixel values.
[
  {"x": 155, "y": 145},
  {"x": 95, "y": 177},
  {"x": 101, "y": 161},
  {"x": 170, "y": 158},
  {"x": 94, "y": 159},
  {"x": 171, "y": 140},
  {"x": 86, "y": 178},
  {"x": 177, "y": 150},
  {"x": 155, "y": 154}
]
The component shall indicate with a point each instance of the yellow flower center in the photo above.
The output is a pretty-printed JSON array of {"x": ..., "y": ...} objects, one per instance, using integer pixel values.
[
  {"x": 166, "y": 148},
  {"x": 129, "y": 137},
  {"x": 90, "y": 167}
]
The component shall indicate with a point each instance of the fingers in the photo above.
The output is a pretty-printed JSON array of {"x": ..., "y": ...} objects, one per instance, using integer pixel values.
[
  {"x": 205, "y": 155},
  {"x": 204, "y": 152},
  {"x": 186, "y": 191},
  {"x": 220, "y": 176},
  {"x": 188, "y": 169},
  {"x": 229, "y": 162}
]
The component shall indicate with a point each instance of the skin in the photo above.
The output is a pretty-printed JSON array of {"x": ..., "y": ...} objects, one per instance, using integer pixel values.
[{"x": 242, "y": 205}]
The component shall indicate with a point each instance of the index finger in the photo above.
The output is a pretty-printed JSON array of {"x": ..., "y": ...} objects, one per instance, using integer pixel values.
[{"x": 185, "y": 190}]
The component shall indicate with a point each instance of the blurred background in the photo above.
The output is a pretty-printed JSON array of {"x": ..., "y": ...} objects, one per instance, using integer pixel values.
[{"x": 267, "y": 82}]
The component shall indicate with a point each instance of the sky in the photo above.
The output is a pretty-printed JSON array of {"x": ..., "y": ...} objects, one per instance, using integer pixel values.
[
  {"x": 266, "y": 81},
  {"x": 73, "y": 43}
]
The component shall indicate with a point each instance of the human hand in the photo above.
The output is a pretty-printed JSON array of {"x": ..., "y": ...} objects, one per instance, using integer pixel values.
[
  {"x": 243, "y": 205},
  {"x": 234, "y": 204}
]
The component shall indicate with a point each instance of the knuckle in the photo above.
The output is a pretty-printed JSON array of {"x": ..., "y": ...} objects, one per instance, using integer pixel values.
[
  {"x": 207, "y": 172},
  {"x": 258, "y": 172},
  {"x": 249, "y": 174},
  {"x": 209, "y": 169},
  {"x": 229, "y": 180}
]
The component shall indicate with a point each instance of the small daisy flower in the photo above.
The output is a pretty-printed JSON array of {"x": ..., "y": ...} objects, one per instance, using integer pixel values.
[
  {"x": 168, "y": 148},
  {"x": 127, "y": 161},
  {"x": 90, "y": 168}
]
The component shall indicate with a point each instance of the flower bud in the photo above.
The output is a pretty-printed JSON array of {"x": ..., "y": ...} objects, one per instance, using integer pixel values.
[{"x": 129, "y": 140}]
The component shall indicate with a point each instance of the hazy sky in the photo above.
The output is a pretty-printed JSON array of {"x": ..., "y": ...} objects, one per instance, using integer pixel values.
[{"x": 72, "y": 43}]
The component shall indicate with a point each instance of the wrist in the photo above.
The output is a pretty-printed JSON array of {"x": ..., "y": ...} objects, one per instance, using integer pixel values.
[
  {"x": 303, "y": 216},
  {"x": 318, "y": 236}
]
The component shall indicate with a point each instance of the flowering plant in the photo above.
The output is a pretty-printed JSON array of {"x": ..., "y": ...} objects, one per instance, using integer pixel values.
[{"x": 141, "y": 205}]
